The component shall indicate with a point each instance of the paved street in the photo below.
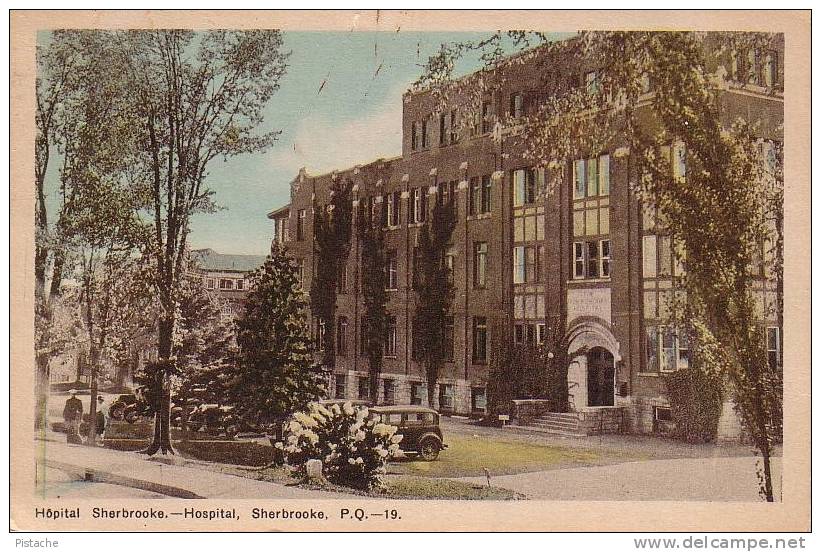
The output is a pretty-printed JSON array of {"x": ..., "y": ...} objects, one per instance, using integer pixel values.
[
  {"x": 699, "y": 479},
  {"x": 122, "y": 472}
]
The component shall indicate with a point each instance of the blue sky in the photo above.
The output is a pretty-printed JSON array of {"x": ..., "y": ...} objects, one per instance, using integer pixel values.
[{"x": 356, "y": 118}]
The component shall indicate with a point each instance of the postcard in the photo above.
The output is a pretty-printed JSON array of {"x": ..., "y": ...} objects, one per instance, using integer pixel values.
[{"x": 410, "y": 271}]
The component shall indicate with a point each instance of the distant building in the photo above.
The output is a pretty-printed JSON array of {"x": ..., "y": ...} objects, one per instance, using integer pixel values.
[{"x": 226, "y": 275}]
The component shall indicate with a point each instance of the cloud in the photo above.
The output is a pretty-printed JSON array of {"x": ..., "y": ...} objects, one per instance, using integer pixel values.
[{"x": 322, "y": 143}]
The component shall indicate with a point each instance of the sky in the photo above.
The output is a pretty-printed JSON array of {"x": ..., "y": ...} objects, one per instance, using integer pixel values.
[{"x": 357, "y": 117}]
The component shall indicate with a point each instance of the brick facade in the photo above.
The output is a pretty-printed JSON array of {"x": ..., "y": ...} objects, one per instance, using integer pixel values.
[{"x": 601, "y": 266}]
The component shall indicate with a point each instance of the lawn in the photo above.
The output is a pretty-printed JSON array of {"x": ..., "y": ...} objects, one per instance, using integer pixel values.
[{"x": 467, "y": 455}]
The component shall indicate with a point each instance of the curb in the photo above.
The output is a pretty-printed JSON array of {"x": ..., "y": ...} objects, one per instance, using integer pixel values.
[{"x": 101, "y": 476}]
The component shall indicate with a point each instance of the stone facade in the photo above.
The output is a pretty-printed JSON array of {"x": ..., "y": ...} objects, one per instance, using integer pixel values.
[{"x": 594, "y": 264}]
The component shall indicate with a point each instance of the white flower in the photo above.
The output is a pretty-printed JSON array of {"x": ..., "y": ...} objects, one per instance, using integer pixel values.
[
  {"x": 396, "y": 439},
  {"x": 278, "y": 445},
  {"x": 382, "y": 453},
  {"x": 305, "y": 419},
  {"x": 351, "y": 461},
  {"x": 347, "y": 408},
  {"x": 294, "y": 426},
  {"x": 359, "y": 436},
  {"x": 359, "y": 460}
]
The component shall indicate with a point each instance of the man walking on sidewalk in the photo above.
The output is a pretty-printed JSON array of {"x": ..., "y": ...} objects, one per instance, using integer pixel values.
[{"x": 72, "y": 415}]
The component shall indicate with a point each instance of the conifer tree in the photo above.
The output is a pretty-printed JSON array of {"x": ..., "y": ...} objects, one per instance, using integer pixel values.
[
  {"x": 275, "y": 375},
  {"x": 434, "y": 292}
]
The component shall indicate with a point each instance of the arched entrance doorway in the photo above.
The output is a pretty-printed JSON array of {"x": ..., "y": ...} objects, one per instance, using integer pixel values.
[{"x": 600, "y": 377}]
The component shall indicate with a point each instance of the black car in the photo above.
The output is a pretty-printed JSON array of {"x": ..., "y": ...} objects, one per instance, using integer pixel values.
[{"x": 419, "y": 427}]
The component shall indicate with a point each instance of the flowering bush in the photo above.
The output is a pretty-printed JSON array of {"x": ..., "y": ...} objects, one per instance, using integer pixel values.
[{"x": 354, "y": 446}]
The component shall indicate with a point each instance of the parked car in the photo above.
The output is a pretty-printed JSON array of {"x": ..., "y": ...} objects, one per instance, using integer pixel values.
[
  {"x": 122, "y": 405},
  {"x": 419, "y": 427},
  {"x": 355, "y": 402}
]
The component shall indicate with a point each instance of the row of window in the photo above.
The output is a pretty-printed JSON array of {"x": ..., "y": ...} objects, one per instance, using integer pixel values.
[
  {"x": 418, "y": 395},
  {"x": 480, "y": 338},
  {"x": 668, "y": 349},
  {"x": 225, "y": 283},
  {"x": 755, "y": 66}
]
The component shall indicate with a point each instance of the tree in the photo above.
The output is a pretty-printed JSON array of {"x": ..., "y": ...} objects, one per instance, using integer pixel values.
[
  {"x": 374, "y": 283},
  {"x": 198, "y": 97},
  {"x": 434, "y": 292},
  {"x": 332, "y": 244},
  {"x": 275, "y": 373},
  {"x": 206, "y": 349}
]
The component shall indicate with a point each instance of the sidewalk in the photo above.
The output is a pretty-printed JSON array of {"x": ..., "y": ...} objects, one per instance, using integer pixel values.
[
  {"x": 131, "y": 469},
  {"x": 686, "y": 479}
]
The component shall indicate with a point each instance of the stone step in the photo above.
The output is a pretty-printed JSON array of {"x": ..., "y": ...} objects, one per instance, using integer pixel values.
[
  {"x": 563, "y": 429},
  {"x": 550, "y": 431},
  {"x": 557, "y": 424}
]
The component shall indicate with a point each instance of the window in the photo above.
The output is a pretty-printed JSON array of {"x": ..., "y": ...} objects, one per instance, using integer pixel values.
[
  {"x": 448, "y": 339},
  {"x": 662, "y": 414},
  {"x": 443, "y": 129},
  {"x": 771, "y": 68},
  {"x": 591, "y": 81},
  {"x": 479, "y": 264},
  {"x": 391, "y": 277},
  {"x": 388, "y": 391},
  {"x": 774, "y": 347},
  {"x": 479, "y": 339},
  {"x": 300, "y": 272},
  {"x": 415, "y": 206},
  {"x": 210, "y": 283},
  {"x": 604, "y": 258},
  {"x": 667, "y": 349},
  {"x": 649, "y": 256},
  {"x": 516, "y": 105},
  {"x": 319, "y": 334},
  {"x": 342, "y": 336},
  {"x": 339, "y": 386},
  {"x": 446, "y": 396},
  {"x": 679, "y": 161},
  {"x": 524, "y": 187},
  {"x": 578, "y": 260},
  {"x": 226, "y": 283},
  {"x": 487, "y": 117},
  {"x": 364, "y": 388},
  {"x": 426, "y": 133},
  {"x": 473, "y": 196},
  {"x": 390, "y": 337},
  {"x": 414, "y": 135},
  {"x": 519, "y": 265},
  {"x": 591, "y": 259},
  {"x": 393, "y": 211},
  {"x": 454, "y": 136},
  {"x": 591, "y": 177},
  {"x": 525, "y": 334},
  {"x": 478, "y": 399},
  {"x": 417, "y": 393},
  {"x": 240, "y": 284},
  {"x": 485, "y": 205},
  {"x": 300, "y": 225},
  {"x": 541, "y": 333}
]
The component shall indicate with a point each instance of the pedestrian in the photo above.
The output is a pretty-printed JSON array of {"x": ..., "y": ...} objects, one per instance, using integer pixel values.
[
  {"x": 100, "y": 416},
  {"x": 72, "y": 416}
]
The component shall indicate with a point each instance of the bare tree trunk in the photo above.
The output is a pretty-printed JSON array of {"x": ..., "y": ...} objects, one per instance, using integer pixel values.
[{"x": 161, "y": 441}]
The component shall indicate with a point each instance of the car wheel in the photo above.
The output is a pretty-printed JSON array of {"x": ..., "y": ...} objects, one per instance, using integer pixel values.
[
  {"x": 116, "y": 412},
  {"x": 429, "y": 449}
]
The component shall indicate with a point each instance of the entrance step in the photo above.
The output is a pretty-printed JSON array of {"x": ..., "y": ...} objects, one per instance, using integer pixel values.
[{"x": 562, "y": 423}]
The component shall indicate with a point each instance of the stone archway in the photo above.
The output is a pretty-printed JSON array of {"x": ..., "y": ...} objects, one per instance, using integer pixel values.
[{"x": 594, "y": 353}]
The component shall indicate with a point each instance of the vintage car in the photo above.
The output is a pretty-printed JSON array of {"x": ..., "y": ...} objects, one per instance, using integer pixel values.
[
  {"x": 124, "y": 407},
  {"x": 419, "y": 427}
]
